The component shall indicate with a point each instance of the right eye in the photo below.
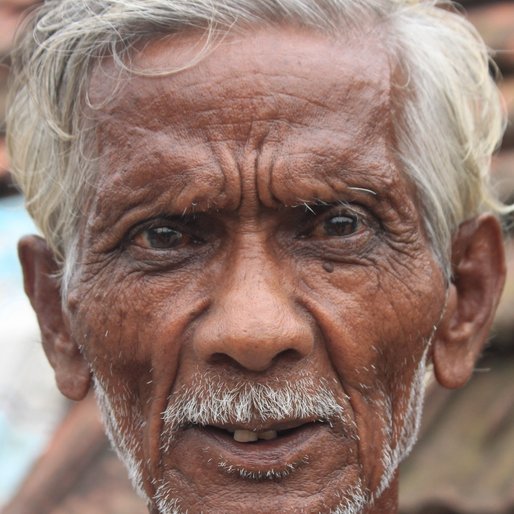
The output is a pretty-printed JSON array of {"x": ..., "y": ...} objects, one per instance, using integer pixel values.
[{"x": 160, "y": 238}]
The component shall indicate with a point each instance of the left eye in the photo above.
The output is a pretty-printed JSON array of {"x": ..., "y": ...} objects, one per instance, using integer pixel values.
[
  {"x": 159, "y": 238},
  {"x": 340, "y": 225}
]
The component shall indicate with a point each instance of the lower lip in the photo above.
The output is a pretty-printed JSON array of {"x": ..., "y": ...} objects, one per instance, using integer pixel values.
[{"x": 284, "y": 451}]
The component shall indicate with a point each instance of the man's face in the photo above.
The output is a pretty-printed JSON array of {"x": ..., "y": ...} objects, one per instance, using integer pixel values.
[{"x": 254, "y": 291}]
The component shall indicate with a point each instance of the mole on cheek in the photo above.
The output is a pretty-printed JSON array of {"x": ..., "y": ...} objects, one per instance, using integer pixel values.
[{"x": 328, "y": 267}]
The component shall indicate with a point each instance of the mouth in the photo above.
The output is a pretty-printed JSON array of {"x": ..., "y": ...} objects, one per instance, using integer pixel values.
[
  {"x": 275, "y": 432},
  {"x": 274, "y": 450}
]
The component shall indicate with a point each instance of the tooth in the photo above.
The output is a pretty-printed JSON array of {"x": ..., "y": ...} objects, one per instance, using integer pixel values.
[
  {"x": 267, "y": 435},
  {"x": 245, "y": 436}
]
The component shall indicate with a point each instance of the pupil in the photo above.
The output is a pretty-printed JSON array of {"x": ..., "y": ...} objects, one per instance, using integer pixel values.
[
  {"x": 341, "y": 225},
  {"x": 163, "y": 237}
]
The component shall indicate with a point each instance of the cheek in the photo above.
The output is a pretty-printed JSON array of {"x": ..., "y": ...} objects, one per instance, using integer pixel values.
[
  {"x": 376, "y": 322},
  {"x": 131, "y": 322},
  {"x": 134, "y": 348},
  {"x": 376, "y": 327}
]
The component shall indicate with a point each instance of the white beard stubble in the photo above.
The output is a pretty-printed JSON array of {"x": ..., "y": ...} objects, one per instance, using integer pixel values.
[{"x": 209, "y": 402}]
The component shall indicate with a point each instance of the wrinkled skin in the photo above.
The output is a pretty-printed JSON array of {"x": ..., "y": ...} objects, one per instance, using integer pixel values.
[{"x": 250, "y": 223}]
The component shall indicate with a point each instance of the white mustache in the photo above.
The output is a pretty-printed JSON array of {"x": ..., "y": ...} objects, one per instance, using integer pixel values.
[{"x": 210, "y": 401}]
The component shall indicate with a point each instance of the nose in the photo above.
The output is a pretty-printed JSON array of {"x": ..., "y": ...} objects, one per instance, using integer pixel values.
[{"x": 253, "y": 320}]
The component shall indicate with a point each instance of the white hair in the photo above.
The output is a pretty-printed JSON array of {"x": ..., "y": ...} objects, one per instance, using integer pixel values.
[{"x": 448, "y": 125}]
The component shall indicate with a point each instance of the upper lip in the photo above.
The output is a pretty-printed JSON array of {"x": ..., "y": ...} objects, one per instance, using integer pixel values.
[{"x": 263, "y": 426}]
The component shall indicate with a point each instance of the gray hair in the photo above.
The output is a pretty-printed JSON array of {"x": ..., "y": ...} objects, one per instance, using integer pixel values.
[{"x": 448, "y": 125}]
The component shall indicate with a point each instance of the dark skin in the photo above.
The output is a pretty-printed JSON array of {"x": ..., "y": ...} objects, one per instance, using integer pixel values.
[{"x": 251, "y": 223}]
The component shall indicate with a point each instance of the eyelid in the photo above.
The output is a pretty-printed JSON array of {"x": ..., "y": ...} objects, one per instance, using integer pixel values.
[
  {"x": 174, "y": 222},
  {"x": 333, "y": 209}
]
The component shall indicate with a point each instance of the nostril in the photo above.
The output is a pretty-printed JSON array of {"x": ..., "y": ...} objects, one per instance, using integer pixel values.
[
  {"x": 222, "y": 359},
  {"x": 245, "y": 360},
  {"x": 253, "y": 341},
  {"x": 289, "y": 355}
]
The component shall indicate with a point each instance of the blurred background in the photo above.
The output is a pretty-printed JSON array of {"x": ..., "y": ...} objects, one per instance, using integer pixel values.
[{"x": 55, "y": 459}]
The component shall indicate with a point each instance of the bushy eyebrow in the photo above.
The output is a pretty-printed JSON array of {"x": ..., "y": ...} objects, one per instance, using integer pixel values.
[
  {"x": 363, "y": 189},
  {"x": 318, "y": 206},
  {"x": 319, "y": 202}
]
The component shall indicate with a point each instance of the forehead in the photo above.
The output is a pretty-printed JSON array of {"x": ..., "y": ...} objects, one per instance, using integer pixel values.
[
  {"x": 281, "y": 61},
  {"x": 307, "y": 110}
]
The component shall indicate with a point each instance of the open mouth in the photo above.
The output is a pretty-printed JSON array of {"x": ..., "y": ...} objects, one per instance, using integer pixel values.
[
  {"x": 245, "y": 435},
  {"x": 256, "y": 450}
]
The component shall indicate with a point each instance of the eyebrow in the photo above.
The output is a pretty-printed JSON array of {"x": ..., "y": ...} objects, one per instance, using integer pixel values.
[
  {"x": 364, "y": 190},
  {"x": 307, "y": 204}
]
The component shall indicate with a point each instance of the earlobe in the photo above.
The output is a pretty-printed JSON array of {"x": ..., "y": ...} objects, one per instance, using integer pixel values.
[
  {"x": 39, "y": 267},
  {"x": 478, "y": 265}
]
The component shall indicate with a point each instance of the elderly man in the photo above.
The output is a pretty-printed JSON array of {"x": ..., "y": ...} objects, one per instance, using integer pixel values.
[{"x": 263, "y": 220}]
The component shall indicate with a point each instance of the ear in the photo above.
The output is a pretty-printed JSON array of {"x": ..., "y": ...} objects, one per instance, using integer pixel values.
[
  {"x": 39, "y": 267},
  {"x": 478, "y": 265}
]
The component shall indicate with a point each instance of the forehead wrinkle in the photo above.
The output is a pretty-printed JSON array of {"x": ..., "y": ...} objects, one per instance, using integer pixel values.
[
  {"x": 191, "y": 83},
  {"x": 255, "y": 161},
  {"x": 369, "y": 84},
  {"x": 322, "y": 172},
  {"x": 238, "y": 112},
  {"x": 338, "y": 147},
  {"x": 372, "y": 111},
  {"x": 232, "y": 186},
  {"x": 196, "y": 90},
  {"x": 132, "y": 182},
  {"x": 370, "y": 176}
]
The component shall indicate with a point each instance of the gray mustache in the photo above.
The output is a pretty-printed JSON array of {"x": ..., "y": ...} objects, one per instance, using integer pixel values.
[{"x": 212, "y": 402}]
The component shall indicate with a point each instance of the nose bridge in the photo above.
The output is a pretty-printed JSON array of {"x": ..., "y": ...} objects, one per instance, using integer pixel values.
[
  {"x": 254, "y": 288},
  {"x": 254, "y": 319}
]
